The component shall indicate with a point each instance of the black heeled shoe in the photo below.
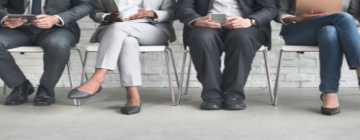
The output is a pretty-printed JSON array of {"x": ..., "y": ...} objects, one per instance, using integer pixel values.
[
  {"x": 130, "y": 110},
  {"x": 77, "y": 94},
  {"x": 328, "y": 111}
]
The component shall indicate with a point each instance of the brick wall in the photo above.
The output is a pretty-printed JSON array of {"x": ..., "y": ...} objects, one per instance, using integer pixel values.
[{"x": 299, "y": 70}]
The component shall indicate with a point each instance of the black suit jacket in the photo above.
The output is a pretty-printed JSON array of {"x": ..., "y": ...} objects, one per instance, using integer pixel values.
[
  {"x": 69, "y": 10},
  {"x": 263, "y": 11}
]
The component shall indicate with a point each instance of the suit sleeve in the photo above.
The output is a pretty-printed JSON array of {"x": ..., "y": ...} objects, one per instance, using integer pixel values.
[
  {"x": 166, "y": 12},
  {"x": 267, "y": 13},
  {"x": 354, "y": 9},
  {"x": 185, "y": 11},
  {"x": 80, "y": 9},
  {"x": 99, "y": 11},
  {"x": 3, "y": 6}
]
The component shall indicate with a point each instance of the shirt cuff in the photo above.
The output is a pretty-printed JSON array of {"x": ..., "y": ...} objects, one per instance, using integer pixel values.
[
  {"x": 285, "y": 16},
  {"x": 2, "y": 20},
  {"x": 191, "y": 22},
  {"x": 103, "y": 17},
  {"x": 61, "y": 21}
]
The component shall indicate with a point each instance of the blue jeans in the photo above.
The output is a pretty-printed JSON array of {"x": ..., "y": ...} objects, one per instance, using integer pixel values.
[{"x": 336, "y": 34}]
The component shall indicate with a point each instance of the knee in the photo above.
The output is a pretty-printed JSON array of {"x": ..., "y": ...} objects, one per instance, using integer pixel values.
[
  {"x": 345, "y": 16},
  {"x": 3, "y": 46},
  {"x": 201, "y": 41},
  {"x": 56, "y": 46},
  {"x": 327, "y": 33}
]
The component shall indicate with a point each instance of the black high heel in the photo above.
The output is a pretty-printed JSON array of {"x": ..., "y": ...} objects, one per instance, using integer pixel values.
[
  {"x": 328, "y": 111},
  {"x": 77, "y": 94},
  {"x": 130, "y": 110}
]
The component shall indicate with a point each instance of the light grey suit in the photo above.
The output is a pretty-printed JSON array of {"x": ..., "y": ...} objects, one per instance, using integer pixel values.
[
  {"x": 162, "y": 8},
  {"x": 119, "y": 41}
]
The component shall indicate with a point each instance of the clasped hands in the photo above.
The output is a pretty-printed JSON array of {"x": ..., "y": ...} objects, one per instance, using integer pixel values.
[
  {"x": 234, "y": 22},
  {"x": 114, "y": 16},
  {"x": 42, "y": 21}
]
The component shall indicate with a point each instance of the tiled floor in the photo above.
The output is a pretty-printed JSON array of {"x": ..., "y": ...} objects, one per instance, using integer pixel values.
[{"x": 296, "y": 117}]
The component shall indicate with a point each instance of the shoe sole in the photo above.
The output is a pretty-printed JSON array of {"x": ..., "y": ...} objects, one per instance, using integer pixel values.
[{"x": 44, "y": 104}]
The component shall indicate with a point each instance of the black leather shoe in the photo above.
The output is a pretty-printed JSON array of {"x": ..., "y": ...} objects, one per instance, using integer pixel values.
[
  {"x": 234, "y": 104},
  {"x": 77, "y": 94},
  {"x": 328, "y": 111},
  {"x": 130, "y": 110},
  {"x": 44, "y": 97},
  {"x": 19, "y": 94},
  {"x": 211, "y": 105}
]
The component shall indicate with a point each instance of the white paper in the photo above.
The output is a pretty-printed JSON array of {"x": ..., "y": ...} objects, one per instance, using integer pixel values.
[{"x": 127, "y": 11}]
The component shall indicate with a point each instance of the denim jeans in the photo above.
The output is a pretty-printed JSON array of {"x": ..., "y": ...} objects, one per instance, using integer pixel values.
[{"x": 336, "y": 34}]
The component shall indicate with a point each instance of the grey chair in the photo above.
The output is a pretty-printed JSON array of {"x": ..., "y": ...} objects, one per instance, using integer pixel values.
[
  {"x": 38, "y": 49},
  {"x": 263, "y": 49},
  {"x": 145, "y": 49}
]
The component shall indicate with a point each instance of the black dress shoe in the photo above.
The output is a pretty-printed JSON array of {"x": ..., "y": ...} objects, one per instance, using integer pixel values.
[
  {"x": 19, "y": 94},
  {"x": 234, "y": 104},
  {"x": 77, "y": 94},
  {"x": 44, "y": 97},
  {"x": 328, "y": 111},
  {"x": 130, "y": 110},
  {"x": 211, "y": 105}
]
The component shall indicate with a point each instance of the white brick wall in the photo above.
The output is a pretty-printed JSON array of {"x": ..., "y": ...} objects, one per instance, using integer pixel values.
[{"x": 299, "y": 70}]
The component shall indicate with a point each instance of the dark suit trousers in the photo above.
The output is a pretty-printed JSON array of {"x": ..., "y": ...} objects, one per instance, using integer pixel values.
[
  {"x": 56, "y": 43},
  {"x": 240, "y": 46}
]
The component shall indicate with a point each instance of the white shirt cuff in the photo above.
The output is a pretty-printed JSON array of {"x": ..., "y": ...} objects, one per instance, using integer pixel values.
[
  {"x": 103, "y": 17},
  {"x": 61, "y": 21},
  {"x": 191, "y": 22},
  {"x": 2, "y": 20}
]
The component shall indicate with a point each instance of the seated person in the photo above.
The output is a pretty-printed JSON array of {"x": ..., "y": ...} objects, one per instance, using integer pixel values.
[
  {"x": 246, "y": 30},
  {"x": 119, "y": 44},
  {"x": 335, "y": 34},
  {"x": 55, "y": 30}
]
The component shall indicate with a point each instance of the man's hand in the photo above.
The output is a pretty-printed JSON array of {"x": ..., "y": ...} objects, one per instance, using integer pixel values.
[
  {"x": 14, "y": 22},
  {"x": 237, "y": 22},
  {"x": 143, "y": 14},
  {"x": 114, "y": 16},
  {"x": 306, "y": 15},
  {"x": 45, "y": 21},
  {"x": 205, "y": 22}
]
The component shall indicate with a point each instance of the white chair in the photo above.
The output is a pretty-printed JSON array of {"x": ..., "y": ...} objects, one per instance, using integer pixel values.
[
  {"x": 263, "y": 49},
  {"x": 289, "y": 48},
  {"x": 144, "y": 49},
  {"x": 38, "y": 49}
]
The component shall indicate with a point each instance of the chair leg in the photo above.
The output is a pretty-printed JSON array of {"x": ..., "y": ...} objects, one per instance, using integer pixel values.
[
  {"x": 71, "y": 81},
  {"x": 188, "y": 77},
  {"x": 268, "y": 76},
  {"x": 174, "y": 65},
  {"x": 169, "y": 76},
  {"x": 83, "y": 74},
  {"x": 82, "y": 62},
  {"x": 276, "y": 89},
  {"x": 4, "y": 89},
  {"x": 182, "y": 77}
]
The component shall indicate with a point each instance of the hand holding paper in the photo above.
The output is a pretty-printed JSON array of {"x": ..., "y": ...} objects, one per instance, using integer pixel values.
[
  {"x": 114, "y": 16},
  {"x": 127, "y": 11}
]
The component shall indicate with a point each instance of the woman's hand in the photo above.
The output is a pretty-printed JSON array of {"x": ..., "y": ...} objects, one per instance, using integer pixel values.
[
  {"x": 304, "y": 16},
  {"x": 143, "y": 14},
  {"x": 114, "y": 16}
]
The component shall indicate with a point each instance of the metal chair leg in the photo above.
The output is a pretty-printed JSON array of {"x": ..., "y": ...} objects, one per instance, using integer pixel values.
[
  {"x": 276, "y": 89},
  {"x": 188, "y": 77},
  {"x": 4, "y": 89},
  {"x": 82, "y": 62},
  {"x": 174, "y": 65},
  {"x": 182, "y": 77},
  {"x": 71, "y": 81},
  {"x": 268, "y": 76},
  {"x": 84, "y": 67},
  {"x": 169, "y": 76}
]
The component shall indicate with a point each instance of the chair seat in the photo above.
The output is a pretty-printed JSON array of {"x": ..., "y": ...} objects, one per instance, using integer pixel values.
[
  {"x": 27, "y": 49},
  {"x": 263, "y": 48},
  {"x": 298, "y": 48},
  {"x": 142, "y": 48}
]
